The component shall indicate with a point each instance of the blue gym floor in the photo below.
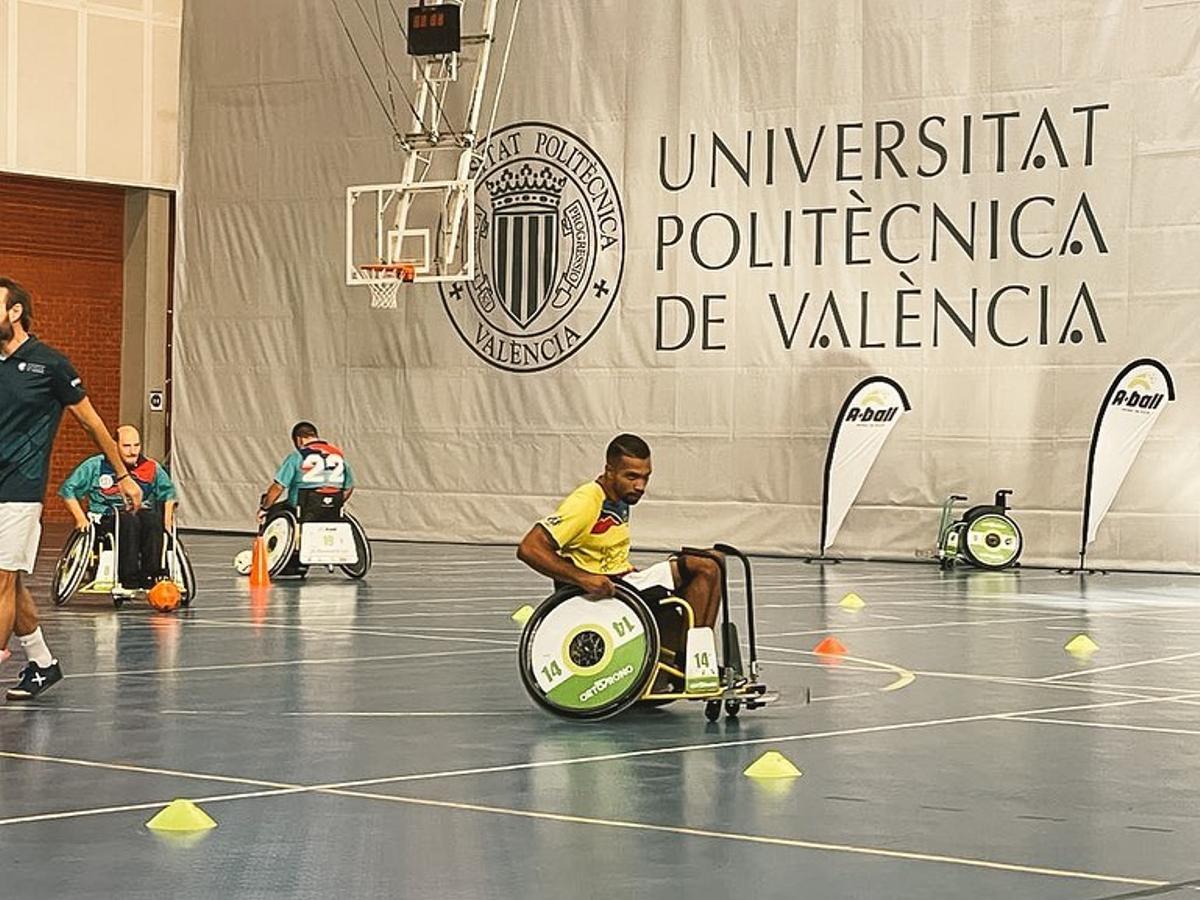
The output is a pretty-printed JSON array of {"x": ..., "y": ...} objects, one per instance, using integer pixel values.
[{"x": 373, "y": 740}]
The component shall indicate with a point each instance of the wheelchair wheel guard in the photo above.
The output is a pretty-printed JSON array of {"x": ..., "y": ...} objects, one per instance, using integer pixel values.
[
  {"x": 589, "y": 659},
  {"x": 992, "y": 541}
]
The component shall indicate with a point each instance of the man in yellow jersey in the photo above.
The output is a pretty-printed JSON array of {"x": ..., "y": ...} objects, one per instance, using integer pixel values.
[{"x": 586, "y": 543}]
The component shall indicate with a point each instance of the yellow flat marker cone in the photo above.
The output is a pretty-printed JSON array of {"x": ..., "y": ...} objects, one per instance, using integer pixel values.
[
  {"x": 181, "y": 815},
  {"x": 772, "y": 764},
  {"x": 851, "y": 601},
  {"x": 1081, "y": 645},
  {"x": 521, "y": 616}
]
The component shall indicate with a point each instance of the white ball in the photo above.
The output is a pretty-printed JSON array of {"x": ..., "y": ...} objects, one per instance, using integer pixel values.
[{"x": 241, "y": 562}]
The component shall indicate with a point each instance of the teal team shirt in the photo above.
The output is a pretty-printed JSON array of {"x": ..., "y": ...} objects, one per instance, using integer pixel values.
[
  {"x": 95, "y": 480},
  {"x": 317, "y": 465}
]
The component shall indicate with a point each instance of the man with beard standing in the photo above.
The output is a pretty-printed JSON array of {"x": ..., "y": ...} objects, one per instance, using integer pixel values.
[{"x": 36, "y": 384}]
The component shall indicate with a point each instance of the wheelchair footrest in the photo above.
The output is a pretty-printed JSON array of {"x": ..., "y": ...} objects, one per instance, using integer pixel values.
[{"x": 762, "y": 700}]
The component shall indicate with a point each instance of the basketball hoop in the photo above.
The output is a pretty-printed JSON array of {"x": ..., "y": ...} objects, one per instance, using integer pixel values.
[{"x": 384, "y": 280}]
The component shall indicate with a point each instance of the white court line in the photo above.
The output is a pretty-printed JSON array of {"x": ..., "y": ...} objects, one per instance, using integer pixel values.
[
  {"x": 747, "y": 742},
  {"x": 1076, "y": 673},
  {"x": 387, "y": 714},
  {"x": 277, "y": 663},
  {"x": 140, "y": 770},
  {"x": 542, "y": 764},
  {"x": 350, "y": 632},
  {"x": 917, "y": 626},
  {"x": 1017, "y": 681},
  {"x": 514, "y": 597},
  {"x": 796, "y": 843},
  {"x": 907, "y": 856},
  {"x": 453, "y": 630},
  {"x": 1153, "y": 729}
]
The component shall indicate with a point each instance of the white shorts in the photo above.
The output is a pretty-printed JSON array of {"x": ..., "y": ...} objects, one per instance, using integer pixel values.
[
  {"x": 658, "y": 575},
  {"x": 20, "y": 532}
]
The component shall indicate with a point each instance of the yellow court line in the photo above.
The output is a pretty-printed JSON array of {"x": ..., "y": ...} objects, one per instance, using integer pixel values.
[
  {"x": 904, "y": 677},
  {"x": 794, "y": 843}
]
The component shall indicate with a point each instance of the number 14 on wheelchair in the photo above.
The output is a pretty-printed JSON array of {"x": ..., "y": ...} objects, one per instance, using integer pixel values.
[{"x": 584, "y": 658}]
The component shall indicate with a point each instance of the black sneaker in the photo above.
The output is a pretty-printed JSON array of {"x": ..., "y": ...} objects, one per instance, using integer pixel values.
[{"x": 34, "y": 680}]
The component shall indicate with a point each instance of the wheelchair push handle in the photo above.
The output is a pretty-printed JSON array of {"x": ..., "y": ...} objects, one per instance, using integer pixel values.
[{"x": 1002, "y": 499}]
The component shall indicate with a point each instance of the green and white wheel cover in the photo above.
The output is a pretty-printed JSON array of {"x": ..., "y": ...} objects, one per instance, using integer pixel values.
[
  {"x": 993, "y": 541},
  {"x": 588, "y": 653}
]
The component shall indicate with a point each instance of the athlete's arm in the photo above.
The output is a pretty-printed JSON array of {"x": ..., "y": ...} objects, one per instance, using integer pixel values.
[
  {"x": 90, "y": 420},
  {"x": 538, "y": 551},
  {"x": 75, "y": 487},
  {"x": 271, "y": 497},
  {"x": 75, "y": 508}
]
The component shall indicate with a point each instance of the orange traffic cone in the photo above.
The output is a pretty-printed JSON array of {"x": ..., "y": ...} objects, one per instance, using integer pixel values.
[
  {"x": 259, "y": 574},
  {"x": 831, "y": 646}
]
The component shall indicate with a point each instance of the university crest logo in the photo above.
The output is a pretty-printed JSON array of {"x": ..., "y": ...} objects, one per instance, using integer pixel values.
[{"x": 549, "y": 250}]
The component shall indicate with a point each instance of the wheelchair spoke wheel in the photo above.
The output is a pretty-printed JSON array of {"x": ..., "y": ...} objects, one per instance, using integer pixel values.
[
  {"x": 182, "y": 574},
  {"x": 73, "y": 564},
  {"x": 360, "y": 568},
  {"x": 279, "y": 534},
  {"x": 589, "y": 659}
]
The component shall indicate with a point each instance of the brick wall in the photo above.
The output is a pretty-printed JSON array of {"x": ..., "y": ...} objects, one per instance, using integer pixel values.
[{"x": 64, "y": 242}]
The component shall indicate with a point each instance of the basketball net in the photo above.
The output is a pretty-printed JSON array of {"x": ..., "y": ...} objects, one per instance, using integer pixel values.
[{"x": 385, "y": 281}]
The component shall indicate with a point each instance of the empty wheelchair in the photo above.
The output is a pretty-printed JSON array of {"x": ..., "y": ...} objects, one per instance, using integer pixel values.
[
  {"x": 986, "y": 536},
  {"x": 320, "y": 532},
  {"x": 588, "y": 659},
  {"x": 88, "y": 564}
]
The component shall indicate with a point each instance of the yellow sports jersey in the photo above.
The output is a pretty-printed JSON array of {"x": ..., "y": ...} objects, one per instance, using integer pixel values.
[{"x": 592, "y": 531}]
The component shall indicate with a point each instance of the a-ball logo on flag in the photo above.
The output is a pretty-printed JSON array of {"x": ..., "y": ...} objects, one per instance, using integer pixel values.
[
  {"x": 1136, "y": 397},
  {"x": 1139, "y": 393},
  {"x": 873, "y": 408},
  {"x": 867, "y": 417}
]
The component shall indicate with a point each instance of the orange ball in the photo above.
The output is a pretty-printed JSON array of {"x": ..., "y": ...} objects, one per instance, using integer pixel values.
[{"x": 164, "y": 596}]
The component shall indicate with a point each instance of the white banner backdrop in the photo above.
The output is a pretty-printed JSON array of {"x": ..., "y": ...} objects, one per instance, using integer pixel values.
[{"x": 756, "y": 204}]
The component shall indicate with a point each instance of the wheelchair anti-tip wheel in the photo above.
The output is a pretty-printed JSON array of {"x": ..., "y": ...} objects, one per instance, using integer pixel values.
[
  {"x": 588, "y": 659},
  {"x": 992, "y": 541}
]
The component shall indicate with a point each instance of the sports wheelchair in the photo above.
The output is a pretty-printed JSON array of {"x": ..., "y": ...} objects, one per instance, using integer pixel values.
[
  {"x": 986, "y": 536},
  {"x": 88, "y": 563},
  {"x": 319, "y": 532},
  {"x": 589, "y": 659}
]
